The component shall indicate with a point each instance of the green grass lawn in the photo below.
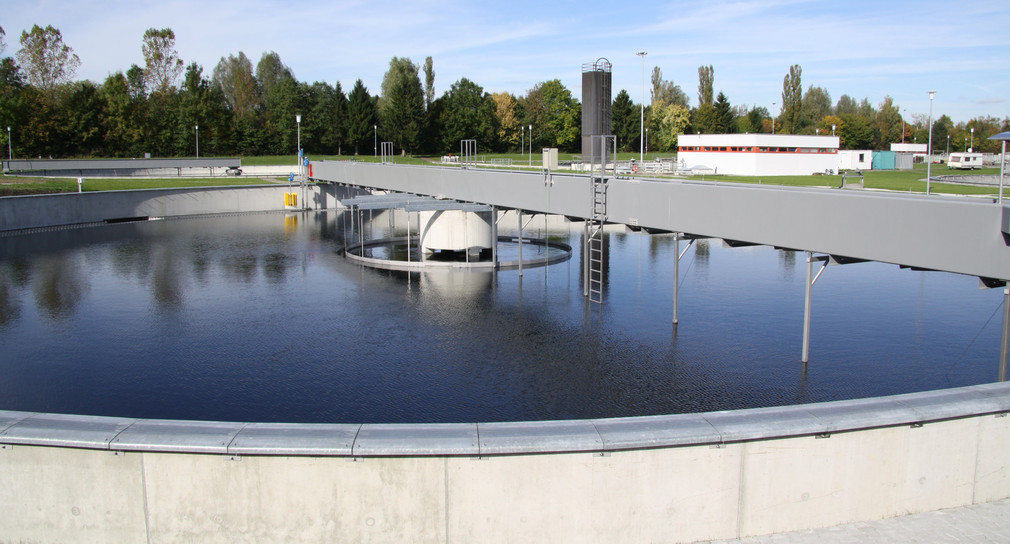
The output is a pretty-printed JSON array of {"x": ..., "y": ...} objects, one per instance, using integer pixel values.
[
  {"x": 906, "y": 181},
  {"x": 889, "y": 180},
  {"x": 11, "y": 186}
]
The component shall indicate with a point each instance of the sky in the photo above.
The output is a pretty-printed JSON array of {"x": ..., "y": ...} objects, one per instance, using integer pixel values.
[{"x": 864, "y": 49}]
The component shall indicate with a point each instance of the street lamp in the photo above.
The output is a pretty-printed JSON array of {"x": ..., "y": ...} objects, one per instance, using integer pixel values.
[
  {"x": 530, "y": 144},
  {"x": 948, "y": 147},
  {"x": 522, "y": 141},
  {"x": 298, "y": 121},
  {"x": 929, "y": 145},
  {"x": 641, "y": 121},
  {"x": 646, "y": 139},
  {"x": 832, "y": 130},
  {"x": 197, "y": 128},
  {"x": 10, "y": 156},
  {"x": 375, "y": 142},
  {"x": 972, "y": 148},
  {"x": 773, "y": 117}
]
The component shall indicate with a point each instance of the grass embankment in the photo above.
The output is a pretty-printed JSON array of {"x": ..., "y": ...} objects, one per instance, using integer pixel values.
[
  {"x": 906, "y": 181},
  {"x": 913, "y": 181},
  {"x": 15, "y": 186}
]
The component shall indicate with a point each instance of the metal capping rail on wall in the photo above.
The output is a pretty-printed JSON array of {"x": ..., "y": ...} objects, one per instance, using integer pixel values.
[{"x": 500, "y": 438}]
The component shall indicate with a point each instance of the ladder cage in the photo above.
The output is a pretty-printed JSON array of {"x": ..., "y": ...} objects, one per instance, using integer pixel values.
[{"x": 603, "y": 162}]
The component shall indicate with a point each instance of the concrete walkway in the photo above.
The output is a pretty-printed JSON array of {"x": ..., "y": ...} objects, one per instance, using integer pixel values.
[{"x": 988, "y": 522}]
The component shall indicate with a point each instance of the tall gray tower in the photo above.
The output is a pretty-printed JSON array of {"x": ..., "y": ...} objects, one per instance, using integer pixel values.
[{"x": 596, "y": 102}]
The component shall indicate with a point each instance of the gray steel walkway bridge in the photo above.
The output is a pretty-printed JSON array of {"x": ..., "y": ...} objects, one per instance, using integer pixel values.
[{"x": 944, "y": 233}]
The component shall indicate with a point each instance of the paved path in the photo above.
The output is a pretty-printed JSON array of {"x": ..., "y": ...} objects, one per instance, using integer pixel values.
[{"x": 988, "y": 522}]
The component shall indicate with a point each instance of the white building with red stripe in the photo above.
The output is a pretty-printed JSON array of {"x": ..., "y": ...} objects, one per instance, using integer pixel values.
[{"x": 759, "y": 154}]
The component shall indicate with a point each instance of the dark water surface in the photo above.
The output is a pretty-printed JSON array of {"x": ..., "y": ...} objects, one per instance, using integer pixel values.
[{"x": 259, "y": 318}]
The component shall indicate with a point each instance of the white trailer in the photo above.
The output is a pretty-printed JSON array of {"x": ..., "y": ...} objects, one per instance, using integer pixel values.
[{"x": 964, "y": 161}]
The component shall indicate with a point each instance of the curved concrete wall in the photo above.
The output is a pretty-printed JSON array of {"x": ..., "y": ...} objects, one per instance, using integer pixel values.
[
  {"x": 661, "y": 478},
  {"x": 25, "y": 212},
  {"x": 670, "y": 478}
]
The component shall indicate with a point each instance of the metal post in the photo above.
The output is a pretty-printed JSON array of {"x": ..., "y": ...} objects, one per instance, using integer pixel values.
[
  {"x": 641, "y": 122},
  {"x": 519, "y": 216},
  {"x": 197, "y": 127},
  {"x": 929, "y": 147},
  {"x": 1006, "y": 335},
  {"x": 494, "y": 238},
  {"x": 806, "y": 309},
  {"x": 531, "y": 148},
  {"x": 585, "y": 257},
  {"x": 408, "y": 239},
  {"x": 1002, "y": 169},
  {"x": 676, "y": 273}
]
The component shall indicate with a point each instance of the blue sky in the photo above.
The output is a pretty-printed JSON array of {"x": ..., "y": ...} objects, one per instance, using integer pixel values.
[{"x": 864, "y": 49}]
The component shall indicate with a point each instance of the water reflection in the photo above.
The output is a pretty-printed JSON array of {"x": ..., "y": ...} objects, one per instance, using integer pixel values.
[
  {"x": 58, "y": 283},
  {"x": 259, "y": 318}
]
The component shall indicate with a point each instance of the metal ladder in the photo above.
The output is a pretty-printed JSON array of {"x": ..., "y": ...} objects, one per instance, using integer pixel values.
[{"x": 604, "y": 151}]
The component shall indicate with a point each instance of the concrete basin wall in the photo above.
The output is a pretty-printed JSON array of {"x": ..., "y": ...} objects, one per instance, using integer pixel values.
[
  {"x": 671, "y": 478},
  {"x": 26, "y": 212},
  {"x": 675, "y": 478}
]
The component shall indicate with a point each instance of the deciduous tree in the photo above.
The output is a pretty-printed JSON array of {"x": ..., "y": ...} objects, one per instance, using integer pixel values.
[
  {"x": 792, "y": 99},
  {"x": 506, "y": 108},
  {"x": 270, "y": 71},
  {"x": 162, "y": 63},
  {"x": 45, "y": 59},
  {"x": 666, "y": 91},
  {"x": 669, "y": 121},
  {"x": 555, "y": 115},
  {"x": 429, "y": 83},
  {"x": 234, "y": 76},
  {"x": 468, "y": 113},
  {"x": 706, "y": 79}
]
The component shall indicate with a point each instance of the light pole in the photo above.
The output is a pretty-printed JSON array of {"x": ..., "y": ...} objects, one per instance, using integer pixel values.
[
  {"x": 646, "y": 139},
  {"x": 972, "y": 148},
  {"x": 948, "y": 147},
  {"x": 197, "y": 128},
  {"x": 298, "y": 121},
  {"x": 929, "y": 145},
  {"x": 375, "y": 140},
  {"x": 641, "y": 121},
  {"x": 10, "y": 155},
  {"x": 773, "y": 117},
  {"x": 832, "y": 130},
  {"x": 522, "y": 141},
  {"x": 531, "y": 145}
]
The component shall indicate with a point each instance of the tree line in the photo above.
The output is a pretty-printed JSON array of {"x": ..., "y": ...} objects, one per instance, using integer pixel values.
[{"x": 244, "y": 109}]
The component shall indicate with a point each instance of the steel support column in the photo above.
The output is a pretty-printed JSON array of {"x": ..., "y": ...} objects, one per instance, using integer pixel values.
[
  {"x": 494, "y": 238},
  {"x": 519, "y": 216},
  {"x": 811, "y": 280},
  {"x": 677, "y": 256},
  {"x": 676, "y": 274},
  {"x": 1005, "y": 340}
]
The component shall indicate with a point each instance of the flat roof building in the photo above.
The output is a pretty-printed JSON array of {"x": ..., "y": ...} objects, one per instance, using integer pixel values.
[{"x": 759, "y": 154}]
